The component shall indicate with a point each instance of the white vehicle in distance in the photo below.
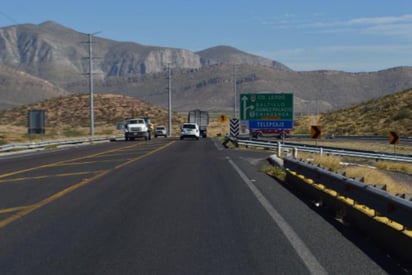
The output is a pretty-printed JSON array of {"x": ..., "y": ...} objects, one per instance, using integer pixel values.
[
  {"x": 136, "y": 128},
  {"x": 190, "y": 130},
  {"x": 160, "y": 131}
]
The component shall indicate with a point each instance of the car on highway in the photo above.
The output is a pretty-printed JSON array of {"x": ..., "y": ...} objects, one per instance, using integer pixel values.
[
  {"x": 190, "y": 130},
  {"x": 160, "y": 131}
]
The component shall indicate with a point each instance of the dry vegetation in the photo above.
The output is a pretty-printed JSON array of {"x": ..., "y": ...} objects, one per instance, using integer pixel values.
[
  {"x": 373, "y": 118},
  {"x": 70, "y": 116},
  {"x": 378, "y": 174}
]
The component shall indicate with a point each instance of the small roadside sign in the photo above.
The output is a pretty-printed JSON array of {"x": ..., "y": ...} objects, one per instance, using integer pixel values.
[
  {"x": 394, "y": 137},
  {"x": 234, "y": 127},
  {"x": 36, "y": 121},
  {"x": 315, "y": 132},
  {"x": 222, "y": 118}
]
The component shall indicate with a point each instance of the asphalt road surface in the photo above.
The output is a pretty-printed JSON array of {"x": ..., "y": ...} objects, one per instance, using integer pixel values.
[{"x": 166, "y": 206}]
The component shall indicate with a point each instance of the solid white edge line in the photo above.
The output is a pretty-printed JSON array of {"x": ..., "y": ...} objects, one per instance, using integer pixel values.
[{"x": 301, "y": 249}]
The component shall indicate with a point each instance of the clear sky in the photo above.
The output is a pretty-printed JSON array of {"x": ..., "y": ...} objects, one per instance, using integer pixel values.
[{"x": 350, "y": 35}]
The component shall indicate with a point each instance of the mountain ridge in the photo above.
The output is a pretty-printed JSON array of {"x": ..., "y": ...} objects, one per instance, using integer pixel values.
[{"x": 52, "y": 54}]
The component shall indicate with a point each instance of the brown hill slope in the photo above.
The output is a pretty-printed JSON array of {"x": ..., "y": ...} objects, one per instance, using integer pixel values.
[
  {"x": 70, "y": 116},
  {"x": 375, "y": 117},
  {"x": 19, "y": 88}
]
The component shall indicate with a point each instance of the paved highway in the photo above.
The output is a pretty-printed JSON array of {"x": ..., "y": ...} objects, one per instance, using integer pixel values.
[{"x": 166, "y": 206}]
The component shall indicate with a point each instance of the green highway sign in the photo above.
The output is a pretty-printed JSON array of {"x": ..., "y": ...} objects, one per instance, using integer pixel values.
[{"x": 266, "y": 106}]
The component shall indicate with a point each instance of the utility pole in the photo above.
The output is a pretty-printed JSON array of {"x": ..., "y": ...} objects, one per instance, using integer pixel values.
[
  {"x": 170, "y": 99},
  {"x": 91, "y": 85},
  {"x": 235, "y": 92},
  {"x": 91, "y": 92}
]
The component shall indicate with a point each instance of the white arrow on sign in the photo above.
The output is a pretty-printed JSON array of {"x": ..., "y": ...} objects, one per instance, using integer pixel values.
[{"x": 245, "y": 108}]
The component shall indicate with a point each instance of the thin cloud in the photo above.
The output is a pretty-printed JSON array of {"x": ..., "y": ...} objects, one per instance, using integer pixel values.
[
  {"x": 386, "y": 25},
  {"x": 358, "y": 44},
  {"x": 407, "y": 18},
  {"x": 400, "y": 30},
  {"x": 338, "y": 57},
  {"x": 337, "y": 50},
  {"x": 379, "y": 49}
]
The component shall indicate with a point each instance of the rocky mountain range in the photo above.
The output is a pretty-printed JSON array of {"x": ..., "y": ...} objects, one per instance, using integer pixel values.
[{"x": 50, "y": 60}]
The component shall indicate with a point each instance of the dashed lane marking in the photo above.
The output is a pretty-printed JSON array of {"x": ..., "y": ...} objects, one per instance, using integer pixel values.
[{"x": 50, "y": 176}]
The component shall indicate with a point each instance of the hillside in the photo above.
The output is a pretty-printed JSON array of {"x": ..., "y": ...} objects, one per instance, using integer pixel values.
[
  {"x": 375, "y": 117},
  {"x": 19, "y": 88},
  {"x": 70, "y": 116},
  {"x": 50, "y": 60},
  {"x": 226, "y": 54}
]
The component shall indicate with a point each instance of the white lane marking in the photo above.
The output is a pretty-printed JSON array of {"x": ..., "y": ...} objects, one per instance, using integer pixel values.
[{"x": 301, "y": 249}]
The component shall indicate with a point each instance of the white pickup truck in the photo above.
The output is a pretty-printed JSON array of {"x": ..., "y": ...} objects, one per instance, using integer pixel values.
[{"x": 136, "y": 128}]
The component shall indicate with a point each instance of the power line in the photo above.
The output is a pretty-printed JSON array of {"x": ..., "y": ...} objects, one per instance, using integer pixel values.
[{"x": 9, "y": 17}]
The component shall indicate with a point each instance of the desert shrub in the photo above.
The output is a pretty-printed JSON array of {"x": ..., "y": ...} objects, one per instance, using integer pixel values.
[
  {"x": 327, "y": 161},
  {"x": 2, "y": 141},
  {"x": 394, "y": 166},
  {"x": 403, "y": 113},
  {"x": 374, "y": 176},
  {"x": 71, "y": 132}
]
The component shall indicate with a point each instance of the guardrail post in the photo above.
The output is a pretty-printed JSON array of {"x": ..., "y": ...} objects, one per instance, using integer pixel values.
[
  {"x": 279, "y": 149},
  {"x": 295, "y": 153}
]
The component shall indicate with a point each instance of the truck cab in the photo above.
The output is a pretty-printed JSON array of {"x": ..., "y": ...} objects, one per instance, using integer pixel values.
[{"x": 136, "y": 128}]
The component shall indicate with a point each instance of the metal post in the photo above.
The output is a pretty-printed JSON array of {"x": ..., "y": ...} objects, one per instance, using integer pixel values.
[
  {"x": 235, "y": 92},
  {"x": 295, "y": 153},
  {"x": 279, "y": 149},
  {"x": 170, "y": 99},
  {"x": 91, "y": 85}
]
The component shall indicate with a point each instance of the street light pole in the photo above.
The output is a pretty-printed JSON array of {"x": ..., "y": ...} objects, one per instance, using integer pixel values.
[
  {"x": 235, "y": 92},
  {"x": 91, "y": 85},
  {"x": 91, "y": 82},
  {"x": 170, "y": 99}
]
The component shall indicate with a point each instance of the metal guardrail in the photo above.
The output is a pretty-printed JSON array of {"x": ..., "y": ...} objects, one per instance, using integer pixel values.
[
  {"x": 42, "y": 144},
  {"x": 385, "y": 217},
  {"x": 326, "y": 150},
  {"x": 384, "y": 203}
]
